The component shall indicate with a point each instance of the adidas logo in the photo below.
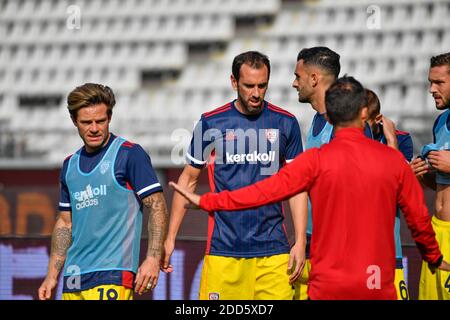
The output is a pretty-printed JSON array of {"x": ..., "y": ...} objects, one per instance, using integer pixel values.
[{"x": 89, "y": 196}]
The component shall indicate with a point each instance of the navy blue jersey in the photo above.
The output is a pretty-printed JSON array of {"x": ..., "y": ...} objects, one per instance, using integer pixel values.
[
  {"x": 319, "y": 122},
  {"x": 133, "y": 170},
  {"x": 405, "y": 143},
  {"x": 240, "y": 150}
]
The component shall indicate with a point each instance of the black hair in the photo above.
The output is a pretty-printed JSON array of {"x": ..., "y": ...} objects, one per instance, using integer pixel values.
[
  {"x": 440, "y": 60},
  {"x": 254, "y": 59},
  {"x": 344, "y": 99},
  {"x": 322, "y": 57}
]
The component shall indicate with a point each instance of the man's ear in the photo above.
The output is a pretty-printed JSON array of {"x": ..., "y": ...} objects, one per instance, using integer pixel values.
[
  {"x": 234, "y": 82},
  {"x": 314, "y": 79},
  {"x": 378, "y": 118}
]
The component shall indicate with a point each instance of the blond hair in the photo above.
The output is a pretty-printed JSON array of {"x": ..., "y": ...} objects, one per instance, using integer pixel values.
[{"x": 90, "y": 94}]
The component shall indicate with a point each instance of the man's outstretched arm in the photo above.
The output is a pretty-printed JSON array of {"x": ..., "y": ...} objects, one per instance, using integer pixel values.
[
  {"x": 412, "y": 203},
  {"x": 294, "y": 178}
]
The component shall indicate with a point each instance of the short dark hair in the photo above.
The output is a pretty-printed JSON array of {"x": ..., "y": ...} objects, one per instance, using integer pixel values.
[
  {"x": 344, "y": 99},
  {"x": 322, "y": 57},
  {"x": 90, "y": 94},
  {"x": 373, "y": 104},
  {"x": 254, "y": 59},
  {"x": 440, "y": 60}
]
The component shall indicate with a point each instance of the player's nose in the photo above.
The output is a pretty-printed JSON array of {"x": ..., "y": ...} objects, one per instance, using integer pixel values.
[{"x": 94, "y": 127}]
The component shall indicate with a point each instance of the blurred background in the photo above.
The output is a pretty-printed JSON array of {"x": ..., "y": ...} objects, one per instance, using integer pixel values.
[{"x": 167, "y": 62}]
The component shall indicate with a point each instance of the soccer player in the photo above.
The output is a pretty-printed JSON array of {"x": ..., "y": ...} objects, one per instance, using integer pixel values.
[
  {"x": 383, "y": 130},
  {"x": 437, "y": 285},
  {"x": 246, "y": 140},
  {"x": 104, "y": 186},
  {"x": 352, "y": 247},
  {"x": 316, "y": 69}
]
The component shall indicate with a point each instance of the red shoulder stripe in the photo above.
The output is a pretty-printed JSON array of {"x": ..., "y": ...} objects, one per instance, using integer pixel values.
[
  {"x": 402, "y": 133},
  {"x": 68, "y": 157},
  {"x": 280, "y": 110},
  {"x": 217, "y": 110},
  {"x": 129, "y": 187},
  {"x": 128, "y": 144}
]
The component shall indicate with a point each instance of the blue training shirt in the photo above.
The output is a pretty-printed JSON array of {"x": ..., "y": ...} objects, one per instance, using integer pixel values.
[
  {"x": 239, "y": 150},
  {"x": 441, "y": 139},
  {"x": 132, "y": 171}
]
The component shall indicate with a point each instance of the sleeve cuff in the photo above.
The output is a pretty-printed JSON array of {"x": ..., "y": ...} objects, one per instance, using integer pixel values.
[
  {"x": 437, "y": 263},
  {"x": 148, "y": 188},
  {"x": 194, "y": 162},
  {"x": 144, "y": 192},
  {"x": 64, "y": 206}
]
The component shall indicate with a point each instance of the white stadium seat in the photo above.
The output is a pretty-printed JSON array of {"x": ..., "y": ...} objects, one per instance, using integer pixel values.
[{"x": 119, "y": 41}]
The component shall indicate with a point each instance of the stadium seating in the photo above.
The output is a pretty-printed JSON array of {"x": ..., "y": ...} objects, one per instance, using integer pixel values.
[{"x": 170, "y": 60}]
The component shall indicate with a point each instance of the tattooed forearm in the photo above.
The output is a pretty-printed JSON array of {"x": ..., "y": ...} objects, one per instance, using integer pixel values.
[
  {"x": 157, "y": 223},
  {"x": 61, "y": 241},
  {"x": 59, "y": 265}
]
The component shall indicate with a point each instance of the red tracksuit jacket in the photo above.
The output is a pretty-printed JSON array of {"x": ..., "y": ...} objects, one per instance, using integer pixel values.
[{"x": 354, "y": 184}]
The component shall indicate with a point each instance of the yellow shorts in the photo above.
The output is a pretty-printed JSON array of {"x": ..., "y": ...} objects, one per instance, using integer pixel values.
[
  {"x": 400, "y": 285},
  {"x": 437, "y": 286},
  {"x": 261, "y": 278},
  {"x": 104, "y": 292},
  {"x": 301, "y": 285}
]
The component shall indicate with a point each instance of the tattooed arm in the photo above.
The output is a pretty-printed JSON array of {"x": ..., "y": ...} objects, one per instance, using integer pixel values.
[
  {"x": 61, "y": 241},
  {"x": 148, "y": 272}
]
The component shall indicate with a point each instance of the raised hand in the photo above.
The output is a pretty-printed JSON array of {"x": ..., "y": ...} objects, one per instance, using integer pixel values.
[{"x": 193, "y": 198}]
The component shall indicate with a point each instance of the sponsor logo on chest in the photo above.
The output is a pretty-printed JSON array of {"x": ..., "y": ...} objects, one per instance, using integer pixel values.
[
  {"x": 253, "y": 157},
  {"x": 89, "y": 197}
]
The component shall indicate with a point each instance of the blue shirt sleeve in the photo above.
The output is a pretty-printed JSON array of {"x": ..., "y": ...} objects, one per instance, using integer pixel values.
[
  {"x": 405, "y": 145},
  {"x": 195, "y": 155},
  {"x": 140, "y": 173},
  {"x": 294, "y": 144},
  {"x": 64, "y": 198}
]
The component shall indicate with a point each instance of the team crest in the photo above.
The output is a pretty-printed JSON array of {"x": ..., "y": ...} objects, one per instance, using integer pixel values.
[
  {"x": 104, "y": 166},
  {"x": 214, "y": 296},
  {"x": 272, "y": 135}
]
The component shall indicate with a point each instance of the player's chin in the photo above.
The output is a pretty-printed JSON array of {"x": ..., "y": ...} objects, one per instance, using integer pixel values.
[
  {"x": 302, "y": 99},
  {"x": 94, "y": 144},
  {"x": 255, "y": 107}
]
